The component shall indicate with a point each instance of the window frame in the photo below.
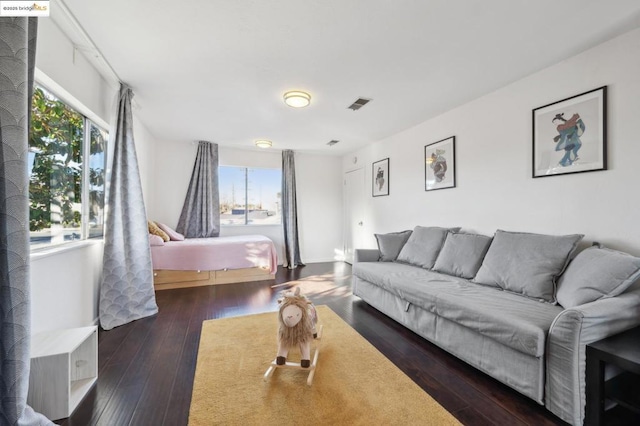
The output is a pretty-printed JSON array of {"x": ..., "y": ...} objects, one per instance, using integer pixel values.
[{"x": 88, "y": 119}]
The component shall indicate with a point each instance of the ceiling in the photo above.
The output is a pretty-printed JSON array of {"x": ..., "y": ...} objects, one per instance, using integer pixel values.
[{"x": 216, "y": 70}]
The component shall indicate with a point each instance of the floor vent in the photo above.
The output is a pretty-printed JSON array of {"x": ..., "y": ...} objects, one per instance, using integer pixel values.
[{"x": 359, "y": 103}]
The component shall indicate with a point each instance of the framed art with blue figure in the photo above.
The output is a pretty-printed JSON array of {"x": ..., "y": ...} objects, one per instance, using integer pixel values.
[
  {"x": 440, "y": 164},
  {"x": 381, "y": 178},
  {"x": 570, "y": 136}
]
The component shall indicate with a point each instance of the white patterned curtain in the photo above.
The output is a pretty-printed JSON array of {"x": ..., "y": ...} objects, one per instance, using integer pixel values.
[
  {"x": 126, "y": 289},
  {"x": 17, "y": 58},
  {"x": 200, "y": 216},
  {"x": 290, "y": 211}
]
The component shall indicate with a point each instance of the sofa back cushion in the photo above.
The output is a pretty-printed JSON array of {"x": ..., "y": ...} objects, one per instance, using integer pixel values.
[
  {"x": 390, "y": 244},
  {"x": 462, "y": 254},
  {"x": 597, "y": 273},
  {"x": 527, "y": 264},
  {"x": 423, "y": 246}
]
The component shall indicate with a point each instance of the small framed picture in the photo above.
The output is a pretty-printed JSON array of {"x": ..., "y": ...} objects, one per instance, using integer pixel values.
[
  {"x": 381, "y": 178},
  {"x": 440, "y": 164},
  {"x": 570, "y": 136}
]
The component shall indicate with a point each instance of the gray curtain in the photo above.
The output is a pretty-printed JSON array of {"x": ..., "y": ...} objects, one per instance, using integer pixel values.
[
  {"x": 17, "y": 58},
  {"x": 290, "y": 211},
  {"x": 200, "y": 217},
  {"x": 126, "y": 289}
]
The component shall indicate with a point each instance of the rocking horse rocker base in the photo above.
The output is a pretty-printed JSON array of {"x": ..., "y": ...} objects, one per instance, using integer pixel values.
[{"x": 311, "y": 369}]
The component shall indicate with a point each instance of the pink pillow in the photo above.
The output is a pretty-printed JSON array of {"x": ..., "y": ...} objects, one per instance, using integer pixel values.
[
  {"x": 175, "y": 236},
  {"x": 155, "y": 240}
]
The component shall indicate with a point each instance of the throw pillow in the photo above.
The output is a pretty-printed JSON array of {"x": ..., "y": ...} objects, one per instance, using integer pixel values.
[
  {"x": 391, "y": 244},
  {"x": 527, "y": 264},
  {"x": 173, "y": 235},
  {"x": 154, "y": 230},
  {"x": 155, "y": 240},
  {"x": 462, "y": 254},
  {"x": 423, "y": 246},
  {"x": 597, "y": 273}
]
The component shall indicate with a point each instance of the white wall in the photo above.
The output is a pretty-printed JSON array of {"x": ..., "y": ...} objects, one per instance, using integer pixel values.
[
  {"x": 145, "y": 144},
  {"x": 495, "y": 189},
  {"x": 65, "y": 280},
  {"x": 319, "y": 194},
  {"x": 67, "y": 67},
  {"x": 318, "y": 185},
  {"x": 64, "y": 287}
]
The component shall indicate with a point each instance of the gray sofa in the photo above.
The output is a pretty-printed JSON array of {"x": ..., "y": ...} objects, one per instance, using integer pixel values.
[{"x": 515, "y": 306}]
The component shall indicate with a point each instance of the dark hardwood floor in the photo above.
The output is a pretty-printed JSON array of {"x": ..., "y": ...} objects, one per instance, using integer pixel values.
[{"x": 146, "y": 368}]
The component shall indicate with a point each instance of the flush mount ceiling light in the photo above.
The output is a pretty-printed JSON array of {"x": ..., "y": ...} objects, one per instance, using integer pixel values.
[
  {"x": 297, "y": 99},
  {"x": 263, "y": 143}
]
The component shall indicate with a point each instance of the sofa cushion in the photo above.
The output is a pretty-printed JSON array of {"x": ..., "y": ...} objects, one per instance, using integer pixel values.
[
  {"x": 423, "y": 246},
  {"x": 462, "y": 254},
  {"x": 408, "y": 282},
  {"x": 390, "y": 244},
  {"x": 515, "y": 321},
  {"x": 527, "y": 264},
  {"x": 387, "y": 276},
  {"x": 596, "y": 273}
]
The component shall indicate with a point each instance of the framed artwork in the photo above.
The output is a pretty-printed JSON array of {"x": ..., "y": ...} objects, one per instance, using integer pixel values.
[
  {"x": 381, "y": 178},
  {"x": 570, "y": 136},
  {"x": 440, "y": 164}
]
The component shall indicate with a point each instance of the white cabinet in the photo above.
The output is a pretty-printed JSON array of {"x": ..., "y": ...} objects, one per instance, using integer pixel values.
[{"x": 64, "y": 367}]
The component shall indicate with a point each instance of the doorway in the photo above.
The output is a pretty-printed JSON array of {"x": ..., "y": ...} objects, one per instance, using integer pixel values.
[{"x": 354, "y": 212}]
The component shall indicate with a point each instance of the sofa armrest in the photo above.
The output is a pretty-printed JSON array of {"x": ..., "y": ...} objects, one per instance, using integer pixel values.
[
  {"x": 362, "y": 256},
  {"x": 366, "y": 255},
  {"x": 570, "y": 332}
]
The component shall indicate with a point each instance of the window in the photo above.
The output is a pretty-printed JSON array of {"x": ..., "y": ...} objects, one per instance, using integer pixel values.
[
  {"x": 250, "y": 196},
  {"x": 66, "y": 173}
]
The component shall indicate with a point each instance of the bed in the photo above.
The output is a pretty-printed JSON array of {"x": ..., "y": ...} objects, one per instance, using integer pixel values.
[{"x": 208, "y": 261}]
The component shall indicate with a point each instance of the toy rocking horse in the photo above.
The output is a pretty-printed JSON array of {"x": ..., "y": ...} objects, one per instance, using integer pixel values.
[{"x": 297, "y": 319}]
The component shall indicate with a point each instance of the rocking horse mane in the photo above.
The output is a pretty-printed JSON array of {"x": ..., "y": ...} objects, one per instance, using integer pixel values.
[{"x": 302, "y": 331}]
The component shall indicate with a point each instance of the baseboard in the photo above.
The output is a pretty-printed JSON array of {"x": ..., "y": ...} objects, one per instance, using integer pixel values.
[{"x": 321, "y": 260}]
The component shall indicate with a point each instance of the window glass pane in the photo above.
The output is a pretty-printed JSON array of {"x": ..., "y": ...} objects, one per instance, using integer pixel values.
[
  {"x": 55, "y": 170},
  {"x": 232, "y": 184},
  {"x": 249, "y": 196},
  {"x": 263, "y": 193},
  {"x": 97, "y": 164}
]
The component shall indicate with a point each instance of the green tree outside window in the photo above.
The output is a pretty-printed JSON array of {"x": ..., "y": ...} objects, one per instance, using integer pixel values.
[{"x": 56, "y": 153}]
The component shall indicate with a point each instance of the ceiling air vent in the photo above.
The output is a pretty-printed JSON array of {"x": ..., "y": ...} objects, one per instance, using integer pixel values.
[
  {"x": 359, "y": 103},
  {"x": 332, "y": 142}
]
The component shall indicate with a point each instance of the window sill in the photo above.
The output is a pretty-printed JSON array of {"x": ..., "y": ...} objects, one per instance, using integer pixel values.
[{"x": 43, "y": 252}]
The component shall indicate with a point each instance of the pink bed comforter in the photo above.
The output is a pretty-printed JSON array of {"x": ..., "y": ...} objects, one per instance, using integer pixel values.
[{"x": 209, "y": 254}]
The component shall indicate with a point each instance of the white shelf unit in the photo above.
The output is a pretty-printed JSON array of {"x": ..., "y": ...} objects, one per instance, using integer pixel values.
[{"x": 64, "y": 367}]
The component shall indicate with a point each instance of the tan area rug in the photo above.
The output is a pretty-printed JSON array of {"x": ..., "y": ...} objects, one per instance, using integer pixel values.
[{"x": 354, "y": 383}]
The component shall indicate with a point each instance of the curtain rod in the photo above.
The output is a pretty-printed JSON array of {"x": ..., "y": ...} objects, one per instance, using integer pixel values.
[{"x": 91, "y": 46}]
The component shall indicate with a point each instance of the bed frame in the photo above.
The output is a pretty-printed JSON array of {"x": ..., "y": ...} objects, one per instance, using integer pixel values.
[{"x": 164, "y": 279}]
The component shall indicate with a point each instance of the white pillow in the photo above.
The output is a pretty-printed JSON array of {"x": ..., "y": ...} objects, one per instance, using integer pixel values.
[
  {"x": 155, "y": 240},
  {"x": 173, "y": 235}
]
